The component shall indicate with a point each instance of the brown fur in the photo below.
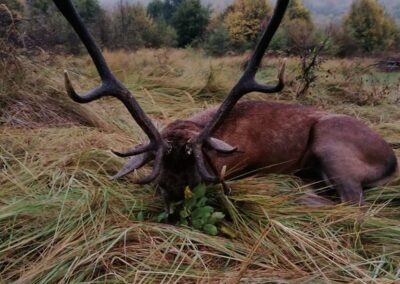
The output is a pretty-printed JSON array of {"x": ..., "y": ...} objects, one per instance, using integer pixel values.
[{"x": 266, "y": 134}]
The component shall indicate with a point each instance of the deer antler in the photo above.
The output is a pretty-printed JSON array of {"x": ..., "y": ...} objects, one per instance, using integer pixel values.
[
  {"x": 245, "y": 85},
  {"x": 110, "y": 86}
]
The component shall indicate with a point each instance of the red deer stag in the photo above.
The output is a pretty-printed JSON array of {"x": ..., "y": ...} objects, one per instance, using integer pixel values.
[{"x": 275, "y": 137}]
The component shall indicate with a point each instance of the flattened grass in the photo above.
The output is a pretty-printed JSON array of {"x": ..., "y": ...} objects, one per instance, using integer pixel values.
[{"x": 63, "y": 220}]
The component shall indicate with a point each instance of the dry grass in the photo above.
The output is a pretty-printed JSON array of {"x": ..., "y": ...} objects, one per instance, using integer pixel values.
[{"x": 62, "y": 220}]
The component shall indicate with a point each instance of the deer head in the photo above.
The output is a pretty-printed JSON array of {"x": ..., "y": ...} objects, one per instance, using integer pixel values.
[{"x": 180, "y": 151}]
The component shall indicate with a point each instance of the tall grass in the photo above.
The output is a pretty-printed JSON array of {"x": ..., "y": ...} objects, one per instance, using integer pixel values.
[{"x": 63, "y": 220}]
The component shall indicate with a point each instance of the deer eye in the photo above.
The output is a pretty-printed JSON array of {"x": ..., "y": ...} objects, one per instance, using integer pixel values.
[
  {"x": 169, "y": 148},
  {"x": 188, "y": 150}
]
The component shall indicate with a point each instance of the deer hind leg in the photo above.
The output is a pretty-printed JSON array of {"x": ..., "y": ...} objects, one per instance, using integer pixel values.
[
  {"x": 351, "y": 156},
  {"x": 342, "y": 176},
  {"x": 350, "y": 190},
  {"x": 341, "y": 168}
]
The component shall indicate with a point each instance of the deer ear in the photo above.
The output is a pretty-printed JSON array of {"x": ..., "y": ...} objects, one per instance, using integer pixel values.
[{"x": 221, "y": 146}]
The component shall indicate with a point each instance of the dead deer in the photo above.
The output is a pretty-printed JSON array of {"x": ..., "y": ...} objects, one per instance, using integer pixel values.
[{"x": 243, "y": 137}]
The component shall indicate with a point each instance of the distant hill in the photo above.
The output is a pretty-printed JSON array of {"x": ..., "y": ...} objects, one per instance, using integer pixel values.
[{"x": 324, "y": 11}]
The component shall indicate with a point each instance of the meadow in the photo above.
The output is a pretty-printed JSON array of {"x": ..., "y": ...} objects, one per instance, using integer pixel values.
[{"x": 62, "y": 220}]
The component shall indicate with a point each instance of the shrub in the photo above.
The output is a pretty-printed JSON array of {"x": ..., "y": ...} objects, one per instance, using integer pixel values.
[
  {"x": 370, "y": 26},
  {"x": 190, "y": 21},
  {"x": 218, "y": 41},
  {"x": 244, "y": 19}
]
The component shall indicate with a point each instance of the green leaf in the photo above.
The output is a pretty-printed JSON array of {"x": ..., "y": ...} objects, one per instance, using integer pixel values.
[
  {"x": 162, "y": 217},
  {"x": 228, "y": 231},
  {"x": 197, "y": 224},
  {"x": 202, "y": 202},
  {"x": 210, "y": 229},
  {"x": 202, "y": 212},
  {"x": 216, "y": 217},
  {"x": 140, "y": 216},
  {"x": 190, "y": 203},
  {"x": 199, "y": 191},
  {"x": 184, "y": 213}
]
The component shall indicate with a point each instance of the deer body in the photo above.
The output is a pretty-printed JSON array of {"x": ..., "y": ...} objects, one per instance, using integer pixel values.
[
  {"x": 267, "y": 136},
  {"x": 284, "y": 138}
]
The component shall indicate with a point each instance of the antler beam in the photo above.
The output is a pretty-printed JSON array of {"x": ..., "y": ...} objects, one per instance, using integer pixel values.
[
  {"x": 245, "y": 85},
  {"x": 110, "y": 86}
]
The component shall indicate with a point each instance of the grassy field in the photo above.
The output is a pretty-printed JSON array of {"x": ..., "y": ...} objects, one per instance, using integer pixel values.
[{"x": 62, "y": 219}]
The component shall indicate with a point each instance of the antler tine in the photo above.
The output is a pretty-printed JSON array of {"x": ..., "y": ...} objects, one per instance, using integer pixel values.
[
  {"x": 134, "y": 151},
  {"x": 157, "y": 168},
  {"x": 101, "y": 91},
  {"x": 257, "y": 87},
  {"x": 110, "y": 86},
  {"x": 246, "y": 84},
  {"x": 201, "y": 164},
  {"x": 265, "y": 40}
]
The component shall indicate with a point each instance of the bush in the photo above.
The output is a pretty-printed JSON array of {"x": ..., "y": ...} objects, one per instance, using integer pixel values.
[
  {"x": 218, "y": 41},
  {"x": 161, "y": 34},
  {"x": 48, "y": 28},
  {"x": 190, "y": 21},
  {"x": 245, "y": 18},
  {"x": 10, "y": 40},
  {"x": 299, "y": 28},
  {"x": 299, "y": 35},
  {"x": 370, "y": 26}
]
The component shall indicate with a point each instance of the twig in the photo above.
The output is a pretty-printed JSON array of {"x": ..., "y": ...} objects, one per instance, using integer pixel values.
[{"x": 247, "y": 261}]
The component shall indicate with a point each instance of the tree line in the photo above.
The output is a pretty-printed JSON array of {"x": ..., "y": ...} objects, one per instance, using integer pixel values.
[{"x": 366, "y": 29}]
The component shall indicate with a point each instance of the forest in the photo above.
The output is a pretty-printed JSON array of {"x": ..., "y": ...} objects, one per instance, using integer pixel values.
[
  {"x": 178, "y": 23},
  {"x": 321, "y": 10}
]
